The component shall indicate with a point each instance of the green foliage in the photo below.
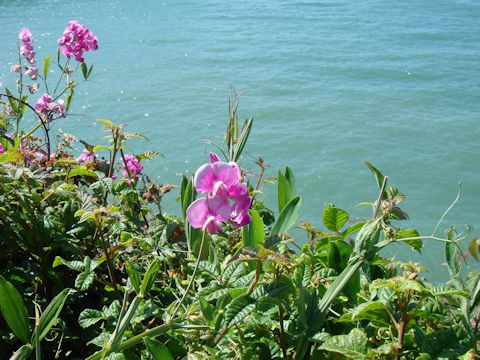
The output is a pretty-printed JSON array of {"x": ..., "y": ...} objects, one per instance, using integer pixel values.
[
  {"x": 118, "y": 278},
  {"x": 13, "y": 310}
]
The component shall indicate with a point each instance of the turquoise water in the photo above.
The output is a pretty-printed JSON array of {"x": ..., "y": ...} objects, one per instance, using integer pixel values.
[{"x": 329, "y": 84}]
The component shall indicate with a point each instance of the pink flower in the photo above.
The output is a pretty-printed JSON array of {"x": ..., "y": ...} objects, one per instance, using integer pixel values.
[
  {"x": 132, "y": 167},
  {"x": 2, "y": 149},
  {"x": 34, "y": 88},
  {"x": 25, "y": 35},
  {"x": 47, "y": 107},
  {"x": 87, "y": 156},
  {"x": 219, "y": 176},
  {"x": 26, "y": 49},
  {"x": 221, "y": 182},
  {"x": 209, "y": 213},
  {"x": 32, "y": 72},
  {"x": 76, "y": 39}
]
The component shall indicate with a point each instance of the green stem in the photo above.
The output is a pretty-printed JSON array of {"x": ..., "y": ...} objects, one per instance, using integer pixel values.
[
  {"x": 125, "y": 321},
  {"x": 135, "y": 340},
  {"x": 193, "y": 277}
]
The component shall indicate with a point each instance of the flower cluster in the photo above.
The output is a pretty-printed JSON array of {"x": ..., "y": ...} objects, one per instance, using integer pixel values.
[
  {"x": 49, "y": 108},
  {"x": 227, "y": 198},
  {"x": 87, "y": 156},
  {"x": 26, "y": 50},
  {"x": 76, "y": 39},
  {"x": 132, "y": 167}
]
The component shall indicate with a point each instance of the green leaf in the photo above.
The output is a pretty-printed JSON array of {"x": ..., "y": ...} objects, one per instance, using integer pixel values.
[
  {"x": 309, "y": 321},
  {"x": 90, "y": 71},
  {"x": 68, "y": 100},
  {"x": 415, "y": 244},
  {"x": 207, "y": 309},
  {"x": 13, "y": 310},
  {"x": 89, "y": 317},
  {"x": 474, "y": 248},
  {"x": 22, "y": 353},
  {"x": 46, "y": 66},
  {"x": 339, "y": 283},
  {"x": 286, "y": 188},
  {"x": 133, "y": 276},
  {"x": 157, "y": 349},
  {"x": 149, "y": 277},
  {"x": 451, "y": 253},
  {"x": 84, "y": 280},
  {"x": 51, "y": 313},
  {"x": 253, "y": 233},
  {"x": 373, "y": 311},
  {"x": 338, "y": 256},
  {"x": 287, "y": 217},
  {"x": 353, "y": 229},
  {"x": 353, "y": 345},
  {"x": 334, "y": 218},
  {"x": 378, "y": 176},
  {"x": 242, "y": 139},
  {"x": 74, "y": 264},
  {"x": 81, "y": 171},
  {"x": 84, "y": 70},
  {"x": 238, "y": 309}
]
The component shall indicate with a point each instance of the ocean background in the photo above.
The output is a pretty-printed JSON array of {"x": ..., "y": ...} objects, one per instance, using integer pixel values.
[{"x": 328, "y": 83}]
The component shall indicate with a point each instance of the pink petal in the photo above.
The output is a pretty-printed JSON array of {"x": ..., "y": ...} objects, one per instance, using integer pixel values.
[
  {"x": 198, "y": 213},
  {"x": 219, "y": 207},
  {"x": 214, "y": 227},
  {"x": 213, "y": 157},
  {"x": 204, "y": 178},
  {"x": 226, "y": 173},
  {"x": 238, "y": 191},
  {"x": 239, "y": 212}
]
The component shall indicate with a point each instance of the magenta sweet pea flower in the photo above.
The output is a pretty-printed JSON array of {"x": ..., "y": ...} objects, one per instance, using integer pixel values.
[
  {"x": 76, "y": 39},
  {"x": 227, "y": 198},
  {"x": 87, "y": 156},
  {"x": 2, "y": 149},
  {"x": 211, "y": 178},
  {"x": 132, "y": 167},
  {"x": 49, "y": 108},
  {"x": 27, "y": 51},
  {"x": 208, "y": 213}
]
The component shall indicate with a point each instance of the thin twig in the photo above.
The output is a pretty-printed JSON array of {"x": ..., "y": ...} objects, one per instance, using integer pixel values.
[{"x": 449, "y": 208}]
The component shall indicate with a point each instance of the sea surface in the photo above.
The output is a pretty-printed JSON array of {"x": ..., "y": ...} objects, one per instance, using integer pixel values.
[{"x": 328, "y": 83}]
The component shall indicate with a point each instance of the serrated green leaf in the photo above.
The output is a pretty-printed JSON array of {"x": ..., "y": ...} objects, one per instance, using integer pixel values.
[
  {"x": 89, "y": 317},
  {"x": 81, "y": 171},
  {"x": 13, "y": 310},
  {"x": 84, "y": 280},
  {"x": 415, "y": 244},
  {"x": 238, "y": 309},
  {"x": 334, "y": 218},
  {"x": 74, "y": 264},
  {"x": 353, "y": 345}
]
